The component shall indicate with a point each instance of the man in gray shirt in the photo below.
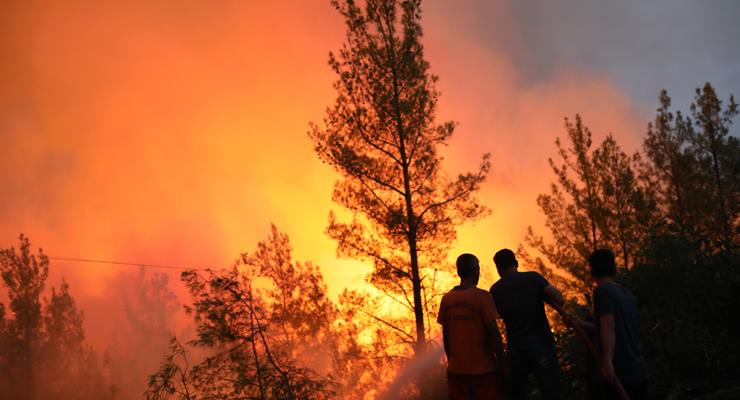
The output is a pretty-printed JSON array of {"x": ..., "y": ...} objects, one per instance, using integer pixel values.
[{"x": 520, "y": 300}]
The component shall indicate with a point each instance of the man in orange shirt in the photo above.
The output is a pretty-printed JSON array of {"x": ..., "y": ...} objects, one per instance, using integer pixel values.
[{"x": 472, "y": 341}]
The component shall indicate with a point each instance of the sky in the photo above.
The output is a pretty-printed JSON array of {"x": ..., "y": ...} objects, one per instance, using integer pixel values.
[{"x": 174, "y": 132}]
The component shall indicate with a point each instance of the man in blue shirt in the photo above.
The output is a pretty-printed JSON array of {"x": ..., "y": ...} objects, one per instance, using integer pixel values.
[{"x": 615, "y": 310}]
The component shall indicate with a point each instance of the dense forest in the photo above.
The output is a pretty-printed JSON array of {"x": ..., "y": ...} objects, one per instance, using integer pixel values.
[{"x": 266, "y": 329}]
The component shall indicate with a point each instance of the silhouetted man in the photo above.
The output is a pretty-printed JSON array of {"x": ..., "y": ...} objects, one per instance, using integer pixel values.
[
  {"x": 520, "y": 298},
  {"x": 471, "y": 338},
  {"x": 615, "y": 310}
]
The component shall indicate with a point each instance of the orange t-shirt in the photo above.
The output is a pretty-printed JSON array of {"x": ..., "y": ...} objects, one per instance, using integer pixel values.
[{"x": 463, "y": 313}]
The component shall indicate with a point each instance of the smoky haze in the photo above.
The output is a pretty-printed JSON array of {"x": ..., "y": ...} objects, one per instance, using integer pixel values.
[
  {"x": 174, "y": 133},
  {"x": 644, "y": 46}
]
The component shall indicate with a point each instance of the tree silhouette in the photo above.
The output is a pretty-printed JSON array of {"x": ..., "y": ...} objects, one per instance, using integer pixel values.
[
  {"x": 382, "y": 136},
  {"x": 671, "y": 169},
  {"x": 24, "y": 275},
  {"x": 366, "y": 354},
  {"x": 150, "y": 308},
  {"x": 296, "y": 305},
  {"x": 694, "y": 165},
  {"x": 627, "y": 202},
  {"x": 258, "y": 325},
  {"x": 691, "y": 260},
  {"x": 671, "y": 214},
  {"x": 43, "y": 352},
  {"x": 599, "y": 200},
  {"x": 717, "y": 155}
]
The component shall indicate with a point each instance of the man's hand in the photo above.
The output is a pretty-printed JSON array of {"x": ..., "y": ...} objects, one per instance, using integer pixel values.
[
  {"x": 607, "y": 346},
  {"x": 576, "y": 322},
  {"x": 502, "y": 362},
  {"x": 569, "y": 319},
  {"x": 494, "y": 339},
  {"x": 503, "y": 366}
]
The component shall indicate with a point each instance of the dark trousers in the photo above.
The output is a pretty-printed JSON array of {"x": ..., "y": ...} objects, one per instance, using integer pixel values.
[
  {"x": 473, "y": 387},
  {"x": 533, "y": 355}
]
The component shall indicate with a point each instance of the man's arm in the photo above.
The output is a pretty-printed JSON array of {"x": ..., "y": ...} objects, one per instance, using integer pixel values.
[
  {"x": 494, "y": 338},
  {"x": 553, "y": 295},
  {"x": 445, "y": 340},
  {"x": 608, "y": 338},
  {"x": 589, "y": 326},
  {"x": 489, "y": 317},
  {"x": 575, "y": 321},
  {"x": 442, "y": 320}
]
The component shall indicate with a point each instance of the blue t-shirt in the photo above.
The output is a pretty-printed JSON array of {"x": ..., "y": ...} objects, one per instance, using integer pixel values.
[{"x": 629, "y": 363}]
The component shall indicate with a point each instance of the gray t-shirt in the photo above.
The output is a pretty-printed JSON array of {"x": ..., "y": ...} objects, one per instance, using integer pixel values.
[
  {"x": 629, "y": 363},
  {"x": 519, "y": 299}
]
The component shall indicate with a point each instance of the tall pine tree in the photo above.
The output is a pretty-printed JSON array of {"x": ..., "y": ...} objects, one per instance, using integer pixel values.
[{"x": 382, "y": 136}]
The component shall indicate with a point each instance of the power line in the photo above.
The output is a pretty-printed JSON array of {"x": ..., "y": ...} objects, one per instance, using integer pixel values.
[{"x": 128, "y": 264}]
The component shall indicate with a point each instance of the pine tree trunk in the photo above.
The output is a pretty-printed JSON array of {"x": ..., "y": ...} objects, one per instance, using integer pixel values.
[
  {"x": 416, "y": 283},
  {"x": 410, "y": 216},
  {"x": 411, "y": 237},
  {"x": 414, "y": 258},
  {"x": 725, "y": 226}
]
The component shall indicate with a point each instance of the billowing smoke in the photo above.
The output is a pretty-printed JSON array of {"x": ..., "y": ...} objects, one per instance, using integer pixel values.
[
  {"x": 427, "y": 364},
  {"x": 147, "y": 316}
]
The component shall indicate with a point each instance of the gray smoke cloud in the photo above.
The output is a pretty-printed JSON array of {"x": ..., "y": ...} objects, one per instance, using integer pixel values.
[{"x": 644, "y": 45}]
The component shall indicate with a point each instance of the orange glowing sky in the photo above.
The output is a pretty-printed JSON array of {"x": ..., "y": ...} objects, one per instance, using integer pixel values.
[{"x": 175, "y": 133}]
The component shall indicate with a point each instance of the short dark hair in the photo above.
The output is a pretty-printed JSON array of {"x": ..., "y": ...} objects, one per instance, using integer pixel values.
[
  {"x": 602, "y": 263},
  {"x": 504, "y": 259},
  {"x": 466, "y": 264}
]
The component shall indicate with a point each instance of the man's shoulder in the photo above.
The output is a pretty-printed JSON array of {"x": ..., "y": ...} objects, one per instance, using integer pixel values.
[
  {"x": 607, "y": 289},
  {"x": 497, "y": 285},
  {"x": 455, "y": 292},
  {"x": 611, "y": 292},
  {"x": 532, "y": 275},
  {"x": 466, "y": 295},
  {"x": 447, "y": 295}
]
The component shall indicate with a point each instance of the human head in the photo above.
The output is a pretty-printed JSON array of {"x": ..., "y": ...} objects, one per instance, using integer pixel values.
[
  {"x": 505, "y": 259},
  {"x": 468, "y": 267},
  {"x": 602, "y": 264}
]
